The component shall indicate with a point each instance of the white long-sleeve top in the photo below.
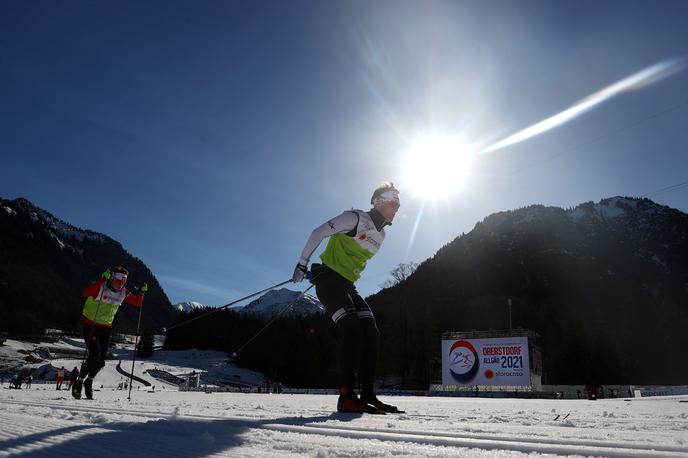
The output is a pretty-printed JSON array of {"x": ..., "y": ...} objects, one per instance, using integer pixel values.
[{"x": 346, "y": 222}]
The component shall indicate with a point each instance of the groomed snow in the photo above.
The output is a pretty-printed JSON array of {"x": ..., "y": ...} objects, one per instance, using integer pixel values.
[{"x": 44, "y": 422}]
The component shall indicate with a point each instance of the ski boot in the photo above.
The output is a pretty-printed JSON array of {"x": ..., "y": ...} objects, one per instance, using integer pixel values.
[
  {"x": 349, "y": 403},
  {"x": 76, "y": 389},
  {"x": 372, "y": 400},
  {"x": 88, "y": 388}
]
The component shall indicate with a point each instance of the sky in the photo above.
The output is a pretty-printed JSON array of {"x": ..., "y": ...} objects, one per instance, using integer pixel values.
[{"x": 210, "y": 138}]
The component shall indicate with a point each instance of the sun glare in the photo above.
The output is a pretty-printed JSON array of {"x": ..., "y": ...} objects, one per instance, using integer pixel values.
[{"x": 436, "y": 166}]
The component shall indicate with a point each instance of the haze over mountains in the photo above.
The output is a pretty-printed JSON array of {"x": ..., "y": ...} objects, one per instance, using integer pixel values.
[
  {"x": 188, "y": 306},
  {"x": 284, "y": 302}
]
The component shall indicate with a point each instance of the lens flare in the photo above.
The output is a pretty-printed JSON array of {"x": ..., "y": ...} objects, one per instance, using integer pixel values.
[{"x": 633, "y": 82}]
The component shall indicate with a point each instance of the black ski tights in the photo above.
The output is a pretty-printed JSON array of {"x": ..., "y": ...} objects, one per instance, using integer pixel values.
[
  {"x": 360, "y": 344},
  {"x": 356, "y": 325},
  {"x": 97, "y": 349}
]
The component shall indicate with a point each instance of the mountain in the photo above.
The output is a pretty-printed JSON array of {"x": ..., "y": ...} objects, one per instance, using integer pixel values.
[
  {"x": 604, "y": 284},
  {"x": 274, "y": 302},
  {"x": 188, "y": 307},
  {"x": 45, "y": 263}
]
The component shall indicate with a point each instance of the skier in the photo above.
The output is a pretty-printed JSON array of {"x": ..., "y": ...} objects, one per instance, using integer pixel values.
[
  {"x": 29, "y": 379},
  {"x": 355, "y": 237},
  {"x": 103, "y": 299}
]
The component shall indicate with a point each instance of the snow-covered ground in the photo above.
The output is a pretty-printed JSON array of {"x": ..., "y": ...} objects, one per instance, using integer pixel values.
[
  {"x": 46, "y": 357},
  {"x": 165, "y": 422},
  {"x": 45, "y": 422}
]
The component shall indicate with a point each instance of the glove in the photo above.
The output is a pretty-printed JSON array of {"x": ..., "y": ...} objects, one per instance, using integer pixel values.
[
  {"x": 299, "y": 272},
  {"x": 144, "y": 288},
  {"x": 106, "y": 275}
]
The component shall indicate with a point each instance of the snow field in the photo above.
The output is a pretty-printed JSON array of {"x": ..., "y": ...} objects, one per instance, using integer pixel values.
[{"x": 44, "y": 422}]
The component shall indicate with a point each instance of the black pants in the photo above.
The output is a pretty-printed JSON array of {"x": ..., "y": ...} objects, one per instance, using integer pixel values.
[
  {"x": 357, "y": 328},
  {"x": 97, "y": 349}
]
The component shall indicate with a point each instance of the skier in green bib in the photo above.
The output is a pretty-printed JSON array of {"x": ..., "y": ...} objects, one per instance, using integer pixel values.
[
  {"x": 103, "y": 299},
  {"x": 355, "y": 237}
]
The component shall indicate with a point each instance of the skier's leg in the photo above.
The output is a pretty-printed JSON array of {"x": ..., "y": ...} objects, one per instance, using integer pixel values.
[
  {"x": 93, "y": 350},
  {"x": 102, "y": 337},
  {"x": 334, "y": 292},
  {"x": 368, "y": 357},
  {"x": 350, "y": 331}
]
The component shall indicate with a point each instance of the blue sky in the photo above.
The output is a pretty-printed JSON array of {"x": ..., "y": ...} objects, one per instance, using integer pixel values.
[{"x": 210, "y": 138}]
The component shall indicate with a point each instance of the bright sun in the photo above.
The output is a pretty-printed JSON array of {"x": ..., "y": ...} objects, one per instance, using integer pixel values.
[{"x": 436, "y": 166}]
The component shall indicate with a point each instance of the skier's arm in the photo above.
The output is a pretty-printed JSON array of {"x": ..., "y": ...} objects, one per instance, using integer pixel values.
[
  {"x": 345, "y": 222},
  {"x": 93, "y": 289},
  {"x": 134, "y": 299}
]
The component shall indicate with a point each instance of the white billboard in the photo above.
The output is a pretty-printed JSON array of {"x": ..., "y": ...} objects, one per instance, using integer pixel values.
[{"x": 494, "y": 361}]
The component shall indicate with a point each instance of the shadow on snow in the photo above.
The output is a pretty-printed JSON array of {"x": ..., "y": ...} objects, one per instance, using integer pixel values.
[{"x": 157, "y": 437}]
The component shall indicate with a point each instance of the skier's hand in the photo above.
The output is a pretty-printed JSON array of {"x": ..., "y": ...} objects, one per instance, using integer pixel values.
[
  {"x": 299, "y": 272},
  {"x": 144, "y": 288},
  {"x": 106, "y": 275}
]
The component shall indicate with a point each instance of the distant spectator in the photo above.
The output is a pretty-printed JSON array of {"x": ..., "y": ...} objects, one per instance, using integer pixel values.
[
  {"x": 18, "y": 382},
  {"x": 60, "y": 377},
  {"x": 13, "y": 381},
  {"x": 591, "y": 392},
  {"x": 578, "y": 393},
  {"x": 72, "y": 377},
  {"x": 29, "y": 379}
]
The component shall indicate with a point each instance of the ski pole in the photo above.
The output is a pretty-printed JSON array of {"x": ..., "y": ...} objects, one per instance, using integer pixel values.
[
  {"x": 288, "y": 306},
  {"x": 227, "y": 305},
  {"x": 133, "y": 359}
]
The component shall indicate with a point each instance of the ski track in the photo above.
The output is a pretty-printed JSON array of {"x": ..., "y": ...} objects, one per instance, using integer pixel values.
[{"x": 305, "y": 427}]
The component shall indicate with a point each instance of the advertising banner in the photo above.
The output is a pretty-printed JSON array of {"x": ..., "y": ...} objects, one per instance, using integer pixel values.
[{"x": 493, "y": 361}]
